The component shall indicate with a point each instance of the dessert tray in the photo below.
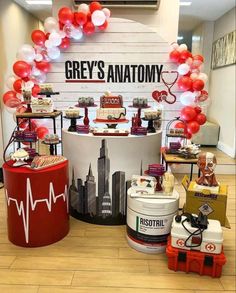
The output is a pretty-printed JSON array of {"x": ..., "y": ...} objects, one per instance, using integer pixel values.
[
  {"x": 43, "y": 162},
  {"x": 110, "y": 132}
]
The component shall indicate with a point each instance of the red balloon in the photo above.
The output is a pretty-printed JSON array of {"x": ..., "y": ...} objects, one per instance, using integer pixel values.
[
  {"x": 22, "y": 69},
  {"x": 38, "y": 37},
  {"x": 89, "y": 16},
  {"x": 23, "y": 123},
  {"x": 104, "y": 26},
  {"x": 61, "y": 25},
  {"x": 95, "y": 6},
  {"x": 80, "y": 18},
  {"x": 199, "y": 58},
  {"x": 10, "y": 99},
  {"x": 188, "y": 113},
  {"x": 198, "y": 85},
  {"x": 33, "y": 125},
  {"x": 185, "y": 83},
  {"x": 65, "y": 43},
  {"x": 184, "y": 55},
  {"x": 65, "y": 15},
  {"x": 17, "y": 85},
  {"x": 201, "y": 119},
  {"x": 193, "y": 127},
  {"x": 89, "y": 28},
  {"x": 198, "y": 109},
  {"x": 42, "y": 131},
  {"x": 180, "y": 124},
  {"x": 174, "y": 56},
  {"x": 188, "y": 135},
  {"x": 43, "y": 66},
  {"x": 35, "y": 90},
  {"x": 47, "y": 35}
]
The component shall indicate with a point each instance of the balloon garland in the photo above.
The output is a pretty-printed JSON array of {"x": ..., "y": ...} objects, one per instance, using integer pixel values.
[
  {"x": 192, "y": 82},
  {"x": 34, "y": 61}
]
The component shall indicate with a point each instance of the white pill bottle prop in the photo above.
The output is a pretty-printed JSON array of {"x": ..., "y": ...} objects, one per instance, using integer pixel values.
[{"x": 149, "y": 221}]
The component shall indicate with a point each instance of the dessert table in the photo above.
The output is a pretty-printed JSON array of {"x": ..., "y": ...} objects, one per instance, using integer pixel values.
[
  {"x": 101, "y": 168},
  {"x": 37, "y": 204}
]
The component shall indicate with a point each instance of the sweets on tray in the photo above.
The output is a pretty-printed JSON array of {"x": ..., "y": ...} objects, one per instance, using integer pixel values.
[
  {"x": 111, "y": 109},
  {"x": 42, "y": 105},
  {"x": 86, "y": 102},
  {"x": 72, "y": 112},
  {"x": 51, "y": 138},
  {"x": 110, "y": 132},
  {"x": 20, "y": 155},
  {"x": 152, "y": 114},
  {"x": 46, "y": 161},
  {"x": 140, "y": 102},
  {"x": 46, "y": 88}
]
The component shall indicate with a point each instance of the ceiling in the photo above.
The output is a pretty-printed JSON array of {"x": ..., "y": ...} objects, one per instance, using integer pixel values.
[{"x": 190, "y": 16}]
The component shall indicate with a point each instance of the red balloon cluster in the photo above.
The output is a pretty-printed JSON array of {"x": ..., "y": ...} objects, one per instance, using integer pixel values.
[{"x": 193, "y": 119}]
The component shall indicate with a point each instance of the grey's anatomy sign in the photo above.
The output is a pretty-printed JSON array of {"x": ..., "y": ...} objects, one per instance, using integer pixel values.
[{"x": 96, "y": 71}]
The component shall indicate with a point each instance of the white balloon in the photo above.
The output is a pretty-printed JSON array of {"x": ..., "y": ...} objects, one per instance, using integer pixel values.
[
  {"x": 182, "y": 47},
  {"x": 98, "y": 18},
  {"x": 183, "y": 69},
  {"x": 83, "y": 8},
  {"x": 55, "y": 39},
  {"x": 9, "y": 82},
  {"x": 194, "y": 76},
  {"x": 174, "y": 46},
  {"x": 54, "y": 53},
  {"x": 48, "y": 44},
  {"x": 187, "y": 98},
  {"x": 35, "y": 71},
  {"x": 38, "y": 57},
  {"x": 107, "y": 12},
  {"x": 26, "y": 53},
  {"x": 203, "y": 77},
  {"x": 51, "y": 24},
  {"x": 41, "y": 78},
  {"x": 77, "y": 33},
  {"x": 67, "y": 29},
  {"x": 62, "y": 34}
]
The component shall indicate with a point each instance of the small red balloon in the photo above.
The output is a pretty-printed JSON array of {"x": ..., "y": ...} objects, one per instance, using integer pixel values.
[
  {"x": 185, "y": 83},
  {"x": 198, "y": 109},
  {"x": 65, "y": 15},
  {"x": 89, "y": 28},
  {"x": 22, "y": 69},
  {"x": 35, "y": 90},
  {"x": 198, "y": 85},
  {"x": 188, "y": 113},
  {"x": 95, "y": 6},
  {"x": 104, "y": 26},
  {"x": 199, "y": 58},
  {"x": 42, "y": 131},
  {"x": 38, "y": 37},
  {"x": 10, "y": 99},
  {"x": 193, "y": 127},
  {"x": 80, "y": 18},
  {"x": 184, "y": 55},
  {"x": 43, "y": 66},
  {"x": 17, "y": 85},
  {"x": 174, "y": 56},
  {"x": 65, "y": 43},
  {"x": 188, "y": 135},
  {"x": 201, "y": 119}
]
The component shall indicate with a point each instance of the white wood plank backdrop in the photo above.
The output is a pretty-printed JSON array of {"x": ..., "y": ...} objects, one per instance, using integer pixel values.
[{"x": 124, "y": 42}]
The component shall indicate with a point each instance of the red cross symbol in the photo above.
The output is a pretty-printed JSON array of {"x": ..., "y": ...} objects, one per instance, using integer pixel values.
[
  {"x": 210, "y": 247},
  {"x": 180, "y": 242}
]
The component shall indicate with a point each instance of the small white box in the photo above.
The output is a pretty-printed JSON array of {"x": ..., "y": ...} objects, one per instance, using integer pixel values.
[{"x": 212, "y": 237}]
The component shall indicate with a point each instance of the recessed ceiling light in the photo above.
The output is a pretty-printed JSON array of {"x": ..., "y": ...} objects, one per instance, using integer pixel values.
[
  {"x": 37, "y": 2},
  {"x": 185, "y": 3},
  {"x": 179, "y": 38}
]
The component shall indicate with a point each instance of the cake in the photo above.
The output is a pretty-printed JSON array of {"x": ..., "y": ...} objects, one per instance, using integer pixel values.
[
  {"x": 46, "y": 88},
  {"x": 40, "y": 162},
  {"x": 111, "y": 109},
  {"x": 42, "y": 105},
  {"x": 51, "y": 138},
  {"x": 143, "y": 184},
  {"x": 72, "y": 112},
  {"x": 152, "y": 114},
  {"x": 20, "y": 155},
  {"x": 86, "y": 102},
  {"x": 140, "y": 102}
]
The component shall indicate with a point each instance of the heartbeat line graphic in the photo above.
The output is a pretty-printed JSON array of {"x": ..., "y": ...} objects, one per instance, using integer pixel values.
[{"x": 31, "y": 204}]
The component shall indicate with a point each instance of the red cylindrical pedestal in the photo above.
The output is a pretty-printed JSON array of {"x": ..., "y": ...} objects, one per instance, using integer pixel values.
[{"x": 37, "y": 204}]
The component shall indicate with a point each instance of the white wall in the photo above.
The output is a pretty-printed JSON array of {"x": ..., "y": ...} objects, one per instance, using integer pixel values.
[
  {"x": 222, "y": 91},
  {"x": 16, "y": 26}
]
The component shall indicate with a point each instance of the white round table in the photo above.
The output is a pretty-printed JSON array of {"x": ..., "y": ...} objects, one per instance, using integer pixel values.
[{"x": 101, "y": 168}]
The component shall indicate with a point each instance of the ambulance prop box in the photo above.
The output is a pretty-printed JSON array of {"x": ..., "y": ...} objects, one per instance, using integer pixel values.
[{"x": 212, "y": 204}]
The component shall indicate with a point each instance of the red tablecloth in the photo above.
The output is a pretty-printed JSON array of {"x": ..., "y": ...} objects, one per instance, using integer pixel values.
[{"x": 37, "y": 204}]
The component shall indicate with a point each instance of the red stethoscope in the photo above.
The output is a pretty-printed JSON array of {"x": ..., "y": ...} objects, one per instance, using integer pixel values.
[{"x": 163, "y": 95}]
